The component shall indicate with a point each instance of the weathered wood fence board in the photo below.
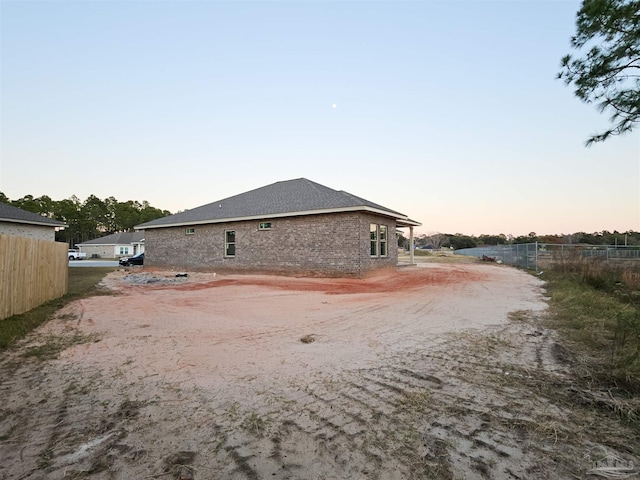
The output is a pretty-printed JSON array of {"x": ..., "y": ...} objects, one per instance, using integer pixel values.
[{"x": 31, "y": 272}]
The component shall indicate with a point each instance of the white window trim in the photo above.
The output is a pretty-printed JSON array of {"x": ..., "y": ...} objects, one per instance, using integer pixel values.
[
  {"x": 385, "y": 241},
  {"x": 377, "y": 241},
  {"x": 260, "y": 226},
  {"x": 226, "y": 244},
  {"x": 188, "y": 232}
]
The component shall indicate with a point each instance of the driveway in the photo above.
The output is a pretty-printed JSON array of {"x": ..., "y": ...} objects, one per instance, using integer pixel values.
[{"x": 93, "y": 263}]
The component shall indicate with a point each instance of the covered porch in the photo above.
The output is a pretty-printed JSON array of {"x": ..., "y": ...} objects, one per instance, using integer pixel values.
[{"x": 408, "y": 223}]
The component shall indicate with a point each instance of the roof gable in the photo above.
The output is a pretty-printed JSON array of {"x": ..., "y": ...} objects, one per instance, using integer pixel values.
[
  {"x": 9, "y": 213},
  {"x": 286, "y": 198}
]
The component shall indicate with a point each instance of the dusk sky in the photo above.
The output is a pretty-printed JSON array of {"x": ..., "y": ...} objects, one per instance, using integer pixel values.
[{"x": 446, "y": 111}]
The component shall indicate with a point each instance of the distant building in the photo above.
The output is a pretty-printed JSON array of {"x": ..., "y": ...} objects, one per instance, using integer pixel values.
[{"x": 115, "y": 245}]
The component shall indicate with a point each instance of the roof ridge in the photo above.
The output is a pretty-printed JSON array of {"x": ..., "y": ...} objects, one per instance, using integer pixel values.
[
  {"x": 281, "y": 198},
  {"x": 317, "y": 186},
  {"x": 368, "y": 202}
]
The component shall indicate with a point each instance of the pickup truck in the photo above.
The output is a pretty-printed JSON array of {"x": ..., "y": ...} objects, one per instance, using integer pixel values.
[{"x": 76, "y": 255}]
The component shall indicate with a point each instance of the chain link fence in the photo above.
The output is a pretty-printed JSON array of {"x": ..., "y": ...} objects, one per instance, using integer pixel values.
[
  {"x": 523, "y": 255},
  {"x": 535, "y": 255}
]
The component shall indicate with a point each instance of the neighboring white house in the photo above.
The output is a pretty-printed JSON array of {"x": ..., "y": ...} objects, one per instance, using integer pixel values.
[
  {"x": 21, "y": 223},
  {"x": 122, "y": 244}
]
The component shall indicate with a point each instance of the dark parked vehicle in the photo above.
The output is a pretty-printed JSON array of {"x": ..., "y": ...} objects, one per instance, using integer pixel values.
[{"x": 135, "y": 260}]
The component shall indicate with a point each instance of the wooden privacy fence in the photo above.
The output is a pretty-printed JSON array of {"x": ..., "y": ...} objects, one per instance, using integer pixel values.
[{"x": 31, "y": 272}]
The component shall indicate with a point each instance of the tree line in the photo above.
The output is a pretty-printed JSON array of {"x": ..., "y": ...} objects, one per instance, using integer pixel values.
[
  {"x": 95, "y": 218},
  {"x": 458, "y": 240},
  {"x": 91, "y": 218}
]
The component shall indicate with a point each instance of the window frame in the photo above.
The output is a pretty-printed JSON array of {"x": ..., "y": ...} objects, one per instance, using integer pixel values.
[
  {"x": 227, "y": 244},
  {"x": 190, "y": 231},
  {"x": 373, "y": 240},
  {"x": 265, "y": 226},
  {"x": 383, "y": 243}
]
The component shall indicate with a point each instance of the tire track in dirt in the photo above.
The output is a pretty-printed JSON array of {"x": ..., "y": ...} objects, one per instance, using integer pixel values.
[
  {"x": 407, "y": 420},
  {"x": 440, "y": 415},
  {"x": 346, "y": 418}
]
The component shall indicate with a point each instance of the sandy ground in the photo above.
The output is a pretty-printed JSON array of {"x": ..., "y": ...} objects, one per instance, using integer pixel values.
[{"x": 436, "y": 371}]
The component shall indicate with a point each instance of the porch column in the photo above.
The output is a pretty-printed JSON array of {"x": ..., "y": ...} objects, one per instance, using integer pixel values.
[{"x": 411, "y": 261}]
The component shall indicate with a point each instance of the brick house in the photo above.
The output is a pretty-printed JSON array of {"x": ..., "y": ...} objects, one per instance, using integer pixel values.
[
  {"x": 22, "y": 223},
  {"x": 296, "y": 227}
]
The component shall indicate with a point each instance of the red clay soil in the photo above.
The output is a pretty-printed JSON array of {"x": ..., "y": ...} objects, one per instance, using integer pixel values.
[{"x": 384, "y": 282}]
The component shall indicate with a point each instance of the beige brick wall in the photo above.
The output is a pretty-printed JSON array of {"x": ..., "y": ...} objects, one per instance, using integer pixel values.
[
  {"x": 326, "y": 245},
  {"x": 103, "y": 251},
  {"x": 39, "y": 232}
]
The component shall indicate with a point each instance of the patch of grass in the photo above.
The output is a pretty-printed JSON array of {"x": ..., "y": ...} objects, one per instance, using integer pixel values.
[
  {"x": 56, "y": 344},
  {"x": 255, "y": 424},
  {"x": 597, "y": 308},
  {"x": 83, "y": 282},
  {"x": 425, "y": 256},
  {"x": 519, "y": 316},
  {"x": 44, "y": 460},
  {"x": 377, "y": 415},
  {"x": 415, "y": 401},
  {"x": 423, "y": 253}
]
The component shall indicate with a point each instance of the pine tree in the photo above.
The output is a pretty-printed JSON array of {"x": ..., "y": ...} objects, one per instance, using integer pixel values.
[{"x": 608, "y": 71}]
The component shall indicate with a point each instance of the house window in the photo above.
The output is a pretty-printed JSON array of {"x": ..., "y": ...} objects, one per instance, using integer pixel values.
[
  {"x": 230, "y": 243},
  {"x": 378, "y": 240},
  {"x": 264, "y": 226},
  {"x": 373, "y": 239},
  {"x": 190, "y": 231},
  {"x": 124, "y": 250},
  {"x": 383, "y": 240}
]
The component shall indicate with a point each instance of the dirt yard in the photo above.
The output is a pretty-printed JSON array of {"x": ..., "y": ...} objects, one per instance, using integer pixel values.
[{"x": 434, "y": 372}]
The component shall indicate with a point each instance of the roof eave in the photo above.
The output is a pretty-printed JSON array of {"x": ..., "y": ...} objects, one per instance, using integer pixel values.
[
  {"x": 29, "y": 222},
  {"x": 386, "y": 213},
  {"x": 407, "y": 222}
]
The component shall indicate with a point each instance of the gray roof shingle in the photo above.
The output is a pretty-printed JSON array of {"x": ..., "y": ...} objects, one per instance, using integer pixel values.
[
  {"x": 118, "y": 238},
  {"x": 278, "y": 199},
  {"x": 9, "y": 213}
]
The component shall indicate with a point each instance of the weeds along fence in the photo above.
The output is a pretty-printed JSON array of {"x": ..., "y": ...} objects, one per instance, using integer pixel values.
[
  {"x": 539, "y": 255},
  {"x": 605, "y": 252},
  {"x": 32, "y": 272}
]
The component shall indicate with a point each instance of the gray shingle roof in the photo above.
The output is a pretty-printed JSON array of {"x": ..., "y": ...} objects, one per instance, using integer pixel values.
[
  {"x": 119, "y": 238},
  {"x": 278, "y": 199},
  {"x": 9, "y": 213}
]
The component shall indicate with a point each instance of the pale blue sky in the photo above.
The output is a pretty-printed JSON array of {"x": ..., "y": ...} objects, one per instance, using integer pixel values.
[{"x": 446, "y": 111}]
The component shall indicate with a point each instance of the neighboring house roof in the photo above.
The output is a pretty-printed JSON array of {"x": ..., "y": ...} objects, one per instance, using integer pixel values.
[
  {"x": 120, "y": 238},
  {"x": 280, "y": 199},
  {"x": 9, "y": 213}
]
